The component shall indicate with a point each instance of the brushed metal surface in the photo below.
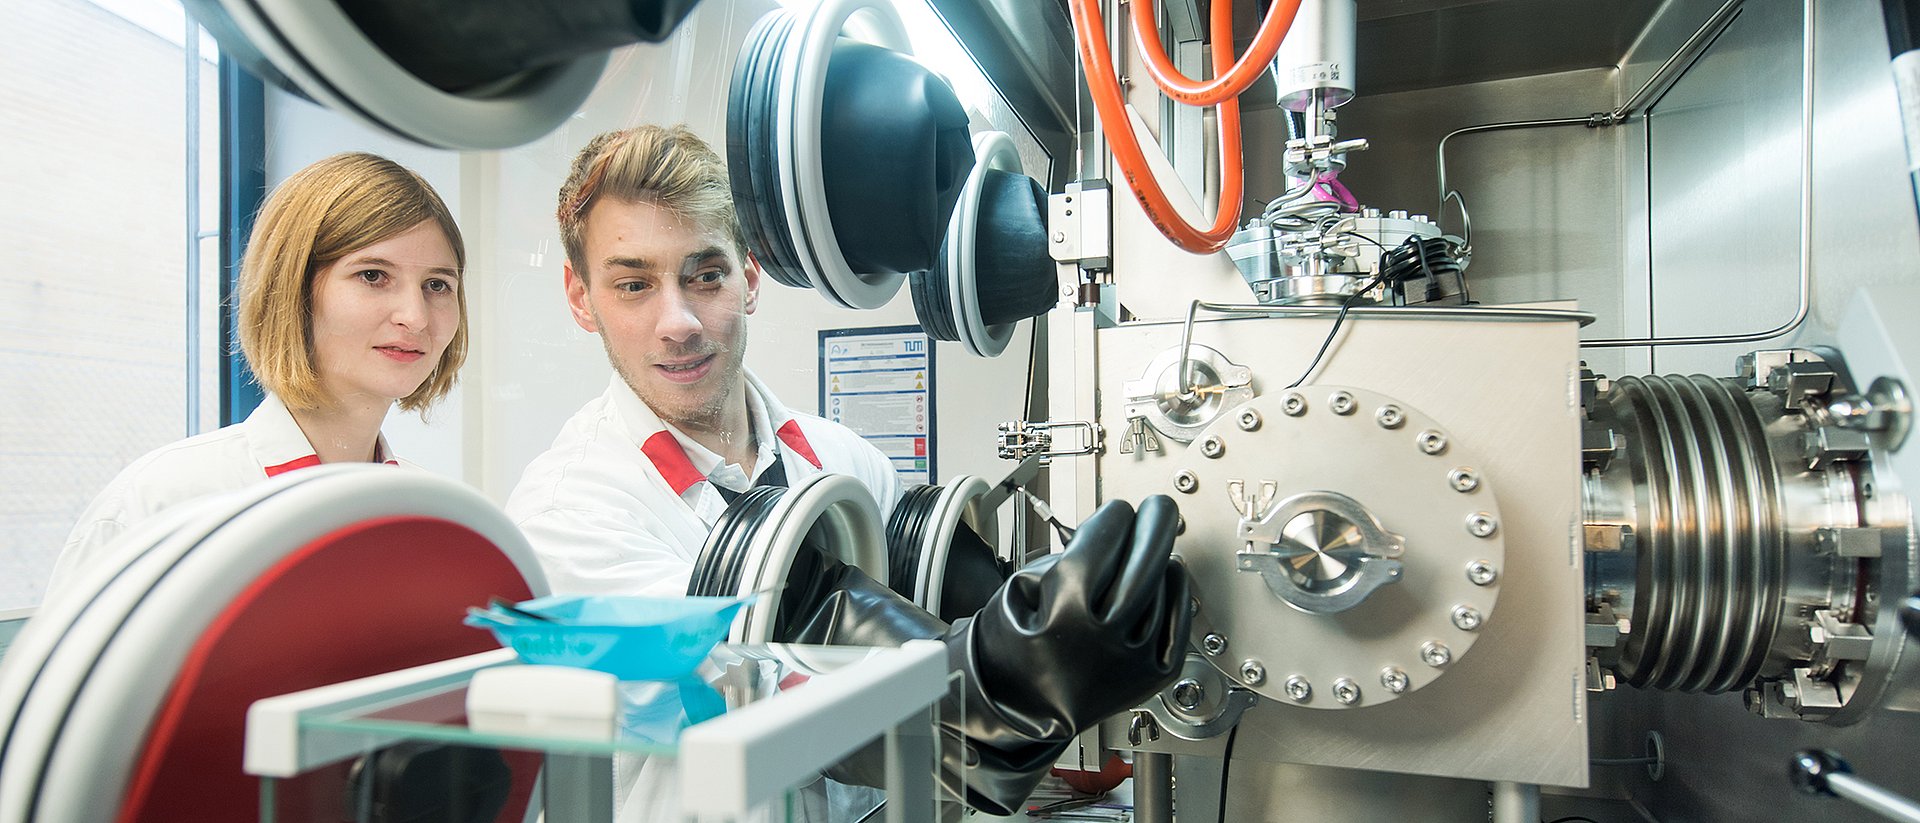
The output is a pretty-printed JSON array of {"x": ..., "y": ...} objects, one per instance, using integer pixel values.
[
  {"x": 1384, "y": 471},
  {"x": 1285, "y": 793},
  {"x": 1514, "y": 709}
]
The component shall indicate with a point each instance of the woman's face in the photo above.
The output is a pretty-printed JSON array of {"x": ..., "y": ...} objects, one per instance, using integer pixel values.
[{"x": 383, "y": 314}]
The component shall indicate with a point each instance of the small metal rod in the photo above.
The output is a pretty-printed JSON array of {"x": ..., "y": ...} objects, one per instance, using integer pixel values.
[
  {"x": 1516, "y": 802},
  {"x": 1823, "y": 773},
  {"x": 1153, "y": 787},
  {"x": 1887, "y": 804},
  {"x": 1393, "y": 312},
  {"x": 1662, "y": 79},
  {"x": 1440, "y": 154},
  {"x": 1186, "y": 344},
  {"x": 1806, "y": 223},
  {"x": 1682, "y": 58}
]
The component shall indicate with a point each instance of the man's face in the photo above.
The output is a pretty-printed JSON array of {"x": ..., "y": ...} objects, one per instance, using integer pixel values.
[{"x": 669, "y": 299}]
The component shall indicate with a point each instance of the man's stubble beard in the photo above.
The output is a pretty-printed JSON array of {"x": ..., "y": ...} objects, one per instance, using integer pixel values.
[{"x": 703, "y": 415}]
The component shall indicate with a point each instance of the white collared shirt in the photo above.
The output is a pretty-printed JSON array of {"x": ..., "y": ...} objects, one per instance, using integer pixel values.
[
  {"x": 622, "y": 503},
  {"x": 267, "y": 443}
]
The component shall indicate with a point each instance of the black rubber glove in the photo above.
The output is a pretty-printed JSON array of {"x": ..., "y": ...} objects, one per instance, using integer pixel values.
[
  {"x": 1070, "y": 640},
  {"x": 973, "y": 574},
  {"x": 1076, "y": 637}
]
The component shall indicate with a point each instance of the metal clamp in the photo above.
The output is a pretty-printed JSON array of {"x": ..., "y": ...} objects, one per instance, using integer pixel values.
[
  {"x": 1327, "y": 553},
  {"x": 1020, "y": 439}
]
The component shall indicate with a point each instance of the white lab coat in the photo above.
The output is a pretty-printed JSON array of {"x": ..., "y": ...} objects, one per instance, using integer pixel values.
[
  {"x": 622, "y": 504},
  {"x": 269, "y": 442}
]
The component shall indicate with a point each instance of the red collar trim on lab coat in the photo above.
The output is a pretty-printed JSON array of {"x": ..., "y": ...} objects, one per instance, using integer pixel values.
[
  {"x": 304, "y": 462},
  {"x": 296, "y": 463},
  {"x": 791, "y": 435},
  {"x": 675, "y": 468},
  {"x": 671, "y": 461}
]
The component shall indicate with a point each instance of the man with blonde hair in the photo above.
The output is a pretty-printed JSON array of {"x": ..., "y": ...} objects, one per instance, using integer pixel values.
[{"x": 623, "y": 501}]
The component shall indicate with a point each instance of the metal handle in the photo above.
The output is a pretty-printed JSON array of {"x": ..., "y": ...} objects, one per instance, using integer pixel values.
[{"x": 1823, "y": 773}]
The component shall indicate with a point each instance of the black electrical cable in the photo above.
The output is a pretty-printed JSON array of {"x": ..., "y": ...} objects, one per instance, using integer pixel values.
[
  {"x": 1338, "y": 319},
  {"x": 1573, "y": 819},
  {"x": 1399, "y": 289},
  {"x": 1226, "y": 765}
]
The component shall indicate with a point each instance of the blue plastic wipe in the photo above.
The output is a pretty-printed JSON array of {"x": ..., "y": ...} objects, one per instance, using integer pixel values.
[{"x": 631, "y": 638}]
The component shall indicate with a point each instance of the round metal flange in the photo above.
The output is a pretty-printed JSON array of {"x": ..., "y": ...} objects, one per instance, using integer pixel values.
[
  {"x": 993, "y": 150},
  {"x": 1156, "y": 394},
  {"x": 317, "y": 48},
  {"x": 799, "y": 135},
  {"x": 1285, "y": 519},
  {"x": 1201, "y": 704}
]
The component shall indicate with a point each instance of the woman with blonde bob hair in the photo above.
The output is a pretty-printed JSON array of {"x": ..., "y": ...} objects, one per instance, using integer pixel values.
[{"x": 350, "y": 301}]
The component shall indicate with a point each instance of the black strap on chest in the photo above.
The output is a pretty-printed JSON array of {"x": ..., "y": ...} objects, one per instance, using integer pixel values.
[{"x": 774, "y": 475}]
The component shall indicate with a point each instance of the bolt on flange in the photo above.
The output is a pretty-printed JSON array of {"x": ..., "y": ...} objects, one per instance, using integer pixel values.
[
  {"x": 1466, "y": 618},
  {"x": 1253, "y": 672},
  {"x": 1482, "y": 573},
  {"x": 1395, "y": 680},
  {"x": 1463, "y": 479},
  {"x": 1185, "y": 482},
  {"x": 1482, "y": 524},
  {"x": 1346, "y": 691}
]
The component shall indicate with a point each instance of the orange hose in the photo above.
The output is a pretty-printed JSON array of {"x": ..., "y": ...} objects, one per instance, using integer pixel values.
[
  {"x": 1104, "y": 87},
  {"x": 1228, "y": 81}
]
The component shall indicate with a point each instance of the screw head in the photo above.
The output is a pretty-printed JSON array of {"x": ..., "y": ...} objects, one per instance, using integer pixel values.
[
  {"x": 1463, "y": 479},
  {"x": 1481, "y": 573},
  {"x": 1189, "y": 694},
  {"x": 1214, "y": 643},
  {"x": 1294, "y": 404},
  {"x": 1390, "y": 417},
  {"x": 1185, "y": 482},
  {"x": 1466, "y": 618},
  {"x": 1341, "y": 403},
  {"x": 1481, "y": 524},
  {"x": 1432, "y": 441},
  {"x": 1213, "y": 446},
  {"x": 1346, "y": 691},
  {"x": 1299, "y": 689},
  {"x": 1249, "y": 420},
  {"x": 1395, "y": 680},
  {"x": 1253, "y": 672},
  {"x": 1435, "y": 654}
]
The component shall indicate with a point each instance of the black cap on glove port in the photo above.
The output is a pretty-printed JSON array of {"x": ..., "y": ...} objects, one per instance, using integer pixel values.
[{"x": 895, "y": 153}]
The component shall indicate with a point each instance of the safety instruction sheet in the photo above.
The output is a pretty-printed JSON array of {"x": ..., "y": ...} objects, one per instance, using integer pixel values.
[{"x": 879, "y": 382}]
